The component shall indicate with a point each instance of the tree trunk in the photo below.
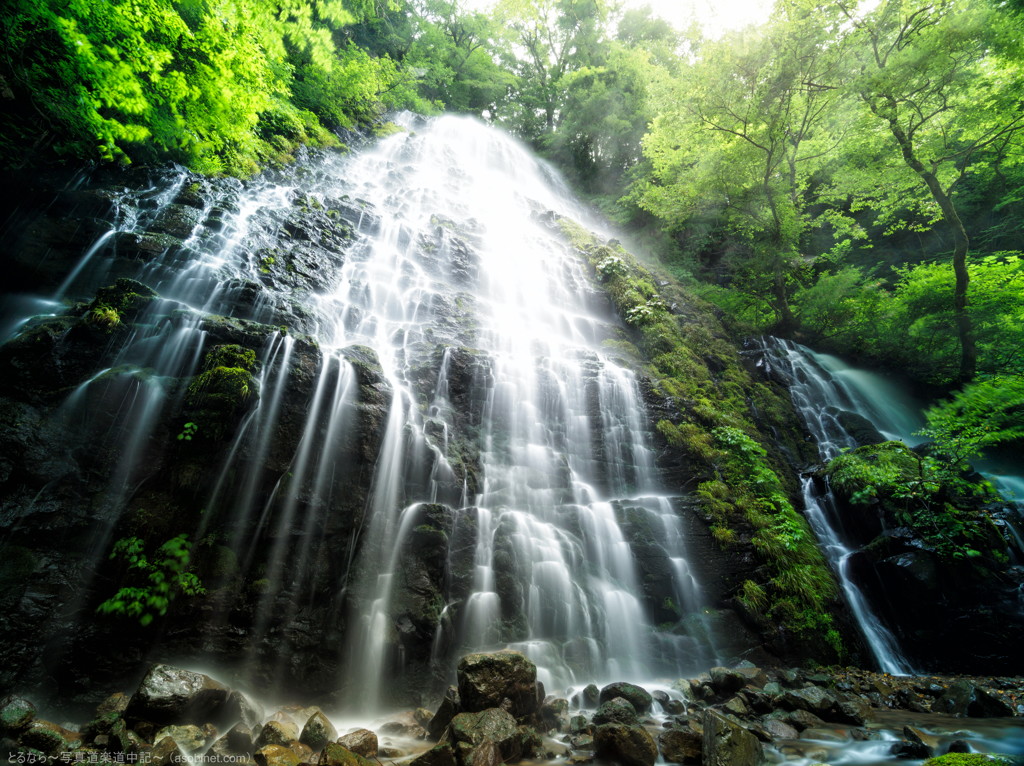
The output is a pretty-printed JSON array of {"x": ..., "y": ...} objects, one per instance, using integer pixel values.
[{"x": 961, "y": 244}]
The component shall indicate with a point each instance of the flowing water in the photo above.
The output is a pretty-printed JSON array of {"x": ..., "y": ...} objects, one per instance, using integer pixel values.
[
  {"x": 822, "y": 388},
  {"x": 538, "y": 454}
]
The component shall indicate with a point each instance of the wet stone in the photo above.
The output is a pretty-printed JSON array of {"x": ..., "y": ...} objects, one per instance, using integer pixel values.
[{"x": 361, "y": 742}]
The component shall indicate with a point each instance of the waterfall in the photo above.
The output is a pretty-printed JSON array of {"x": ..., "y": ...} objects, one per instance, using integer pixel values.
[
  {"x": 429, "y": 451},
  {"x": 822, "y": 388}
]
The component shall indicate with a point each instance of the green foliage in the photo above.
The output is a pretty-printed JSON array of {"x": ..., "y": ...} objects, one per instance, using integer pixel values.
[
  {"x": 982, "y": 415},
  {"x": 104, "y": 317},
  {"x": 204, "y": 82},
  {"x": 911, "y": 326},
  {"x": 166, "y": 576},
  {"x": 188, "y": 431},
  {"x": 917, "y": 491}
]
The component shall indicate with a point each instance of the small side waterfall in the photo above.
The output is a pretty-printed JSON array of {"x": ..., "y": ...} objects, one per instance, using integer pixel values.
[{"x": 822, "y": 391}]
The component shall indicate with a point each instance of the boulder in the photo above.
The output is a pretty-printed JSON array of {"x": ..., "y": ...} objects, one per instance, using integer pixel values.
[
  {"x": 115, "y": 703},
  {"x": 813, "y": 699},
  {"x": 627, "y": 745},
  {"x": 728, "y": 744},
  {"x": 469, "y": 730},
  {"x": 554, "y": 714},
  {"x": 591, "y": 696},
  {"x": 49, "y": 738},
  {"x": 166, "y": 752},
  {"x": 15, "y": 714},
  {"x": 780, "y": 729},
  {"x": 911, "y": 750},
  {"x": 616, "y": 710},
  {"x": 276, "y": 755},
  {"x": 636, "y": 696},
  {"x": 446, "y": 711},
  {"x": 487, "y": 679},
  {"x": 438, "y": 755},
  {"x": 337, "y": 755},
  {"x": 276, "y": 732},
  {"x": 317, "y": 732},
  {"x": 680, "y": 746},
  {"x": 189, "y": 737},
  {"x": 169, "y": 695},
  {"x": 361, "y": 742},
  {"x": 726, "y": 682}
]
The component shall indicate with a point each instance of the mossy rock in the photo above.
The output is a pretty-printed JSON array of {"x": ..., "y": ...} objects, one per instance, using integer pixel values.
[{"x": 975, "y": 759}]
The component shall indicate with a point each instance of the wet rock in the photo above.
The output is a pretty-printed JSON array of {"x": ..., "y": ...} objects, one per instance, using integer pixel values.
[
  {"x": 728, "y": 744},
  {"x": 190, "y": 738},
  {"x": 854, "y": 711},
  {"x": 591, "y": 696},
  {"x": 15, "y": 714},
  {"x": 813, "y": 699},
  {"x": 726, "y": 681},
  {"x": 958, "y": 746},
  {"x": 240, "y": 706},
  {"x": 554, "y": 714},
  {"x": 486, "y": 679},
  {"x": 439, "y": 755},
  {"x": 301, "y": 749},
  {"x": 115, "y": 703},
  {"x": 616, "y": 710},
  {"x": 780, "y": 729},
  {"x": 166, "y": 752},
  {"x": 337, "y": 755},
  {"x": 578, "y": 723},
  {"x": 825, "y": 735},
  {"x": 404, "y": 725},
  {"x": 361, "y": 742},
  {"x": 469, "y": 730},
  {"x": 277, "y": 733},
  {"x": 277, "y": 755},
  {"x": 317, "y": 732},
  {"x": 238, "y": 740},
  {"x": 802, "y": 719},
  {"x": 446, "y": 711},
  {"x": 680, "y": 746},
  {"x": 737, "y": 707},
  {"x": 49, "y": 738},
  {"x": 625, "y": 744},
  {"x": 169, "y": 695},
  {"x": 635, "y": 695},
  {"x": 910, "y": 750}
]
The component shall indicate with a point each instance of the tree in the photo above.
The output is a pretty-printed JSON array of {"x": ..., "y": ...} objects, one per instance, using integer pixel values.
[
  {"x": 545, "y": 40},
  {"x": 454, "y": 51},
  {"x": 943, "y": 82},
  {"x": 737, "y": 140}
]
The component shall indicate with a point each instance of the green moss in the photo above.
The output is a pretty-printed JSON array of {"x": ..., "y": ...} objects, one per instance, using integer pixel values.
[
  {"x": 741, "y": 495},
  {"x": 912, "y": 490},
  {"x": 217, "y": 396},
  {"x": 970, "y": 759}
]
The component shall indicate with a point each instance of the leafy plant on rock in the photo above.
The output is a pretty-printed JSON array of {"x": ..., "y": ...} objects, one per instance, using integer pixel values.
[{"x": 166, "y": 575}]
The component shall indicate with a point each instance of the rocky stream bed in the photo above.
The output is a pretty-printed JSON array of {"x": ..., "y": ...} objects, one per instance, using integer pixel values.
[{"x": 499, "y": 713}]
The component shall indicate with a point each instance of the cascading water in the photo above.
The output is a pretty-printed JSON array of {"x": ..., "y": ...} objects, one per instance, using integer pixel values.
[
  {"x": 822, "y": 392},
  {"x": 446, "y": 356}
]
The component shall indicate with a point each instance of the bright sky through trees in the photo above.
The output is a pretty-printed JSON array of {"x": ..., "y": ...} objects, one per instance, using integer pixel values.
[{"x": 715, "y": 16}]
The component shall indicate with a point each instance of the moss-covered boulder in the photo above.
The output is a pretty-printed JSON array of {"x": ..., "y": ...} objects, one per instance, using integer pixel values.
[{"x": 487, "y": 679}]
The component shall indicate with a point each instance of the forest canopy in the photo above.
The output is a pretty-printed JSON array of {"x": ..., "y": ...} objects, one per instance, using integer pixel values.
[{"x": 846, "y": 174}]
